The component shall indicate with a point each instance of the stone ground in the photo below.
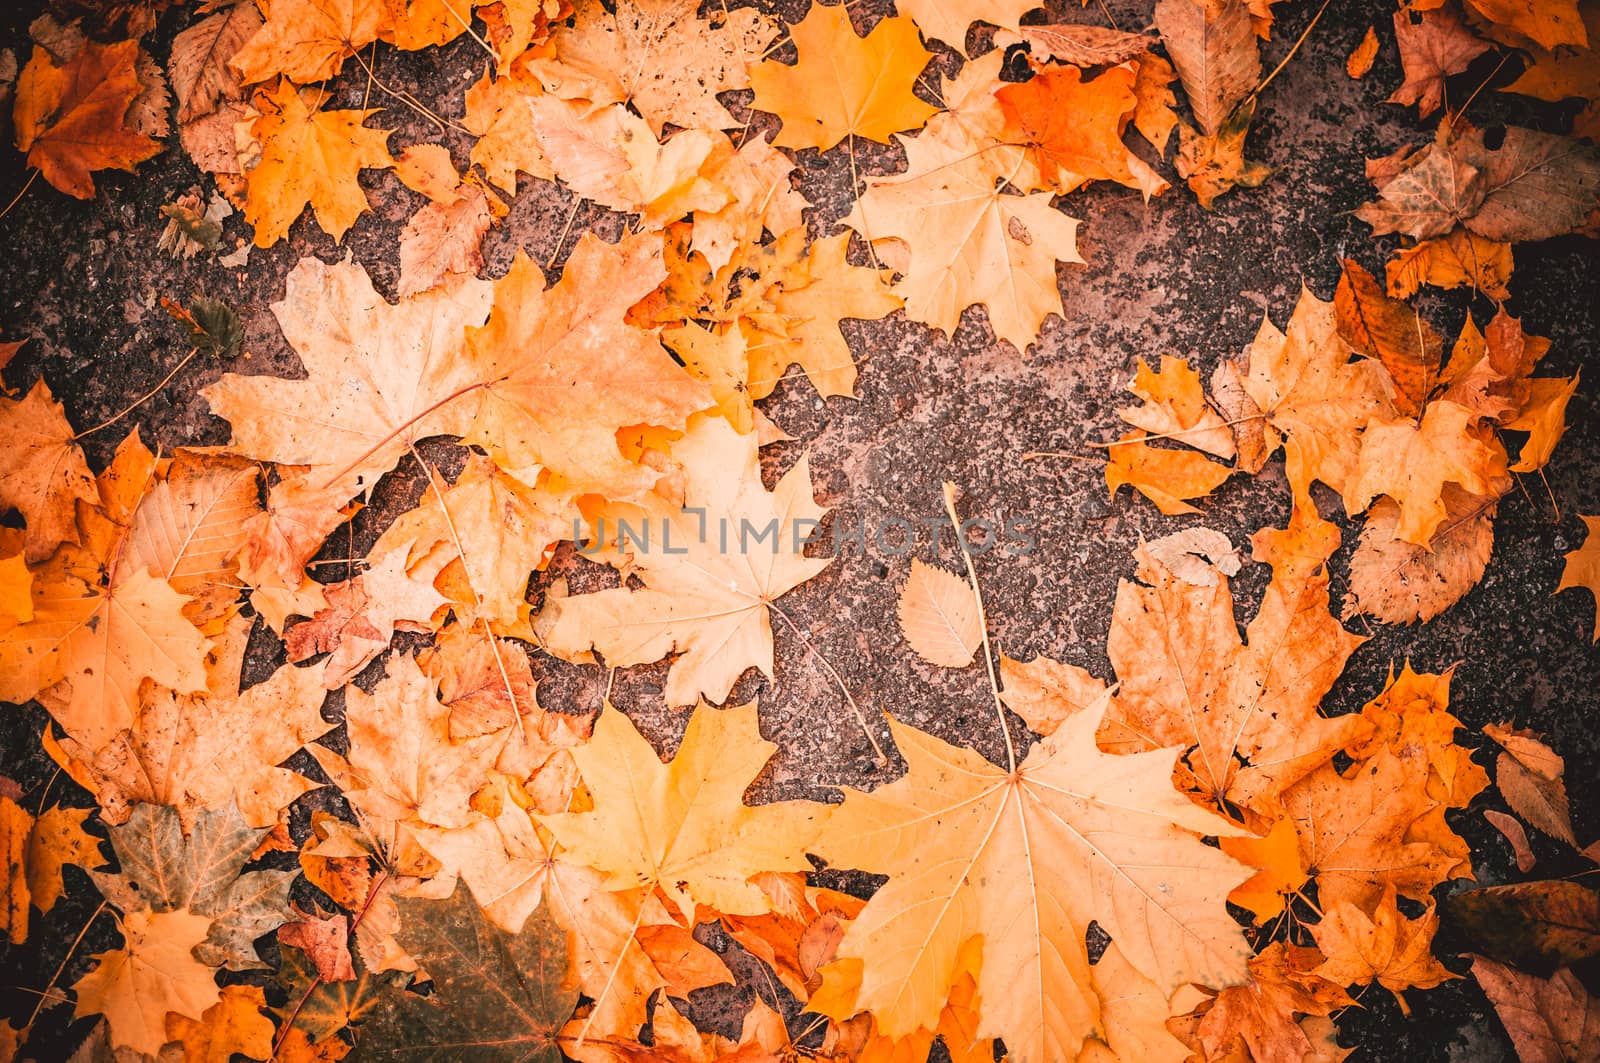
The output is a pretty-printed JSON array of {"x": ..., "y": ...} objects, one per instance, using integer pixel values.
[{"x": 83, "y": 280}]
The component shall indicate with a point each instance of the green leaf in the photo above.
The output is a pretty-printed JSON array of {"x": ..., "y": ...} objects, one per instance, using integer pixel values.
[
  {"x": 163, "y": 871},
  {"x": 496, "y": 996}
]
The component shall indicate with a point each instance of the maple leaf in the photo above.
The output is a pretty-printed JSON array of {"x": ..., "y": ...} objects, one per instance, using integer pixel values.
[
  {"x": 234, "y": 1024},
  {"x": 1175, "y": 405},
  {"x": 1027, "y": 858},
  {"x": 565, "y": 373},
  {"x": 202, "y": 751},
  {"x": 1246, "y": 710},
  {"x": 1433, "y": 45},
  {"x": 317, "y": 1010},
  {"x": 1544, "y": 418},
  {"x": 1164, "y": 475},
  {"x": 1461, "y": 259},
  {"x": 1314, "y": 399},
  {"x": 497, "y": 115},
  {"x": 762, "y": 196},
  {"x": 609, "y": 155},
  {"x": 948, "y": 20},
  {"x": 1077, "y": 127},
  {"x": 46, "y": 474},
  {"x": 497, "y": 996},
  {"x": 1552, "y": 1020},
  {"x": 499, "y": 531},
  {"x": 1411, "y": 463},
  {"x": 324, "y": 940},
  {"x": 1213, "y": 46},
  {"x": 187, "y": 528},
  {"x": 1045, "y": 692},
  {"x": 166, "y": 872},
  {"x": 683, "y": 827},
  {"x": 428, "y": 170},
  {"x": 308, "y": 158},
  {"x": 103, "y": 641},
  {"x": 403, "y": 763},
  {"x": 710, "y": 581},
  {"x": 1261, "y": 1017},
  {"x": 813, "y": 315},
  {"x": 76, "y": 116},
  {"x": 958, "y": 239},
  {"x": 939, "y": 616},
  {"x": 308, "y": 40},
  {"x": 153, "y": 975},
  {"x": 513, "y": 865},
  {"x": 1214, "y": 165},
  {"x": 58, "y": 839},
  {"x": 1532, "y": 187},
  {"x": 658, "y": 57},
  {"x": 1549, "y": 24},
  {"x": 380, "y": 375},
  {"x": 1558, "y": 74},
  {"x": 1385, "y": 947},
  {"x": 844, "y": 85},
  {"x": 443, "y": 239},
  {"x": 1392, "y": 332},
  {"x": 1582, "y": 568}
]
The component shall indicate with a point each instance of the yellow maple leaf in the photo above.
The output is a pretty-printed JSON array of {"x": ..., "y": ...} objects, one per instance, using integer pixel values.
[
  {"x": 844, "y": 85},
  {"x": 308, "y": 40},
  {"x": 711, "y": 569},
  {"x": 153, "y": 974},
  {"x": 1027, "y": 858},
  {"x": 659, "y": 57},
  {"x": 45, "y": 474},
  {"x": 958, "y": 238},
  {"x": 308, "y": 158}
]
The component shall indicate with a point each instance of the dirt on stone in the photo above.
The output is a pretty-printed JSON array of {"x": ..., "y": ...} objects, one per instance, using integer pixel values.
[{"x": 83, "y": 282}]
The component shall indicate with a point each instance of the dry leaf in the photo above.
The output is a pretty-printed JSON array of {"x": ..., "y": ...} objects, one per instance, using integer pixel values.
[
  {"x": 1551, "y": 1020},
  {"x": 1582, "y": 569},
  {"x": 1511, "y": 827},
  {"x": 1213, "y": 46},
  {"x": 1359, "y": 62},
  {"x": 844, "y": 85},
  {"x": 1434, "y": 44},
  {"x": 939, "y": 616}
]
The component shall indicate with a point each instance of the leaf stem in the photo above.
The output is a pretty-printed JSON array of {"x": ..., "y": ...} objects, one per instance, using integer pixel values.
[
  {"x": 983, "y": 626},
  {"x": 142, "y": 399}
]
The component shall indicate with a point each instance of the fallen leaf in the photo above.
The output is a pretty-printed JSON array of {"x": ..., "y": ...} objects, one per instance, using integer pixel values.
[
  {"x": 1359, "y": 62},
  {"x": 504, "y": 995},
  {"x": 1076, "y": 127},
  {"x": 949, "y": 20},
  {"x": 710, "y": 576},
  {"x": 658, "y": 57},
  {"x": 1550, "y": 23},
  {"x": 958, "y": 239},
  {"x": 1552, "y": 1020},
  {"x": 441, "y": 240},
  {"x": 198, "y": 67},
  {"x": 234, "y": 1024},
  {"x": 1175, "y": 406},
  {"x": 1393, "y": 333},
  {"x": 939, "y": 616},
  {"x": 308, "y": 158},
  {"x": 78, "y": 116},
  {"x": 1213, "y": 46},
  {"x": 683, "y": 827},
  {"x": 16, "y": 826},
  {"x": 1460, "y": 259},
  {"x": 1434, "y": 44},
  {"x": 1529, "y": 777},
  {"x": 1081, "y": 45},
  {"x": 1245, "y": 710},
  {"x": 381, "y": 375},
  {"x": 324, "y": 940},
  {"x": 46, "y": 475},
  {"x": 1164, "y": 475},
  {"x": 1511, "y": 827},
  {"x": 1385, "y": 947},
  {"x": 152, "y": 975},
  {"x": 497, "y": 115},
  {"x": 1582, "y": 569},
  {"x": 843, "y": 85},
  {"x": 1399, "y": 582},
  {"x": 971, "y": 848},
  {"x": 307, "y": 41},
  {"x": 1538, "y": 926},
  {"x": 58, "y": 839},
  {"x": 1213, "y": 165}
]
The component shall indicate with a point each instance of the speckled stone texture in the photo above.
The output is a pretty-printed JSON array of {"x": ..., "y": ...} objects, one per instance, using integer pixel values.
[{"x": 83, "y": 280}]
